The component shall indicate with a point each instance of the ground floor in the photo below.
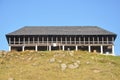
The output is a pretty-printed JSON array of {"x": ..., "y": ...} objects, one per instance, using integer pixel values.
[{"x": 102, "y": 49}]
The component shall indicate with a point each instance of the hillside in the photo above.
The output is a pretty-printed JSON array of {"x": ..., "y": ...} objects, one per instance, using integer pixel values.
[{"x": 58, "y": 65}]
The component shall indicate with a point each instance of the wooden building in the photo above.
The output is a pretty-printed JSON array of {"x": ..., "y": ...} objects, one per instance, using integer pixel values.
[{"x": 39, "y": 38}]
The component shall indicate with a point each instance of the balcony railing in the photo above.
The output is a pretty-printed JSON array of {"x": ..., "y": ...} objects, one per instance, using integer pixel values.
[{"x": 61, "y": 42}]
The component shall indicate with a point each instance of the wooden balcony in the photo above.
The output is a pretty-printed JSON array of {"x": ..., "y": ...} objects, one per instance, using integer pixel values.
[{"x": 60, "y": 43}]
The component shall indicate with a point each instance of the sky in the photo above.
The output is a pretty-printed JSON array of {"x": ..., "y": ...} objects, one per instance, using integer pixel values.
[{"x": 15, "y": 14}]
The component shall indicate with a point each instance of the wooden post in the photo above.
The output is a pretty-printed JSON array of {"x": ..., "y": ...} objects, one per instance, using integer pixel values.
[
  {"x": 65, "y": 40},
  {"x": 70, "y": 40},
  {"x": 28, "y": 40},
  {"x": 79, "y": 40},
  {"x": 9, "y": 40},
  {"x": 84, "y": 40},
  {"x": 107, "y": 40},
  {"x": 75, "y": 39},
  {"x": 52, "y": 39},
  {"x": 14, "y": 40},
  {"x": 61, "y": 40},
  {"x": 93, "y": 40},
  {"x": 102, "y": 40},
  {"x": 23, "y": 40},
  {"x": 38, "y": 40},
  {"x": 47, "y": 43},
  {"x": 19, "y": 40},
  {"x": 98, "y": 41},
  {"x": 113, "y": 40},
  {"x": 56, "y": 40},
  {"x": 42, "y": 39},
  {"x": 33, "y": 40},
  {"x": 88, "y": 40}
]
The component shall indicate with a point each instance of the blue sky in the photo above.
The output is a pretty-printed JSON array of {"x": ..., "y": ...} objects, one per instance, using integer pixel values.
[{"x": 15, "y": 14}]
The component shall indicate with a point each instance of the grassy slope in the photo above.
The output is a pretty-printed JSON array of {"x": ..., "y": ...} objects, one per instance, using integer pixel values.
[{"x": 36, "y": 66}]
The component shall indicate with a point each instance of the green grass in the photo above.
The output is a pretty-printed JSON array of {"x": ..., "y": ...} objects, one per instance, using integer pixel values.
[{"x": 30, "y": 65}]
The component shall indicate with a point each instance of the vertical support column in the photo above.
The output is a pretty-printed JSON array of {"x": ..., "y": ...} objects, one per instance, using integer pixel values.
[
  {"x": 75, "y": 40},
  {"x": 70, "y": 40},
  {"x": 102, "y": 40},
  {"x": 23, "y": 48},
  {"x": 84, "y": 40},
  {"x": 9, "y": 40},
  {"x": 9, "y": 48},
  {"x": 56, "y": 40},
  {"x": 89, "y": 48},
  {"x": 19, "y": 40},
  {"x": 61, "y": 40},
  {"x": 52, "y": 39},
  {"x": 112, "y": 40},
  {"x": 113, "y": 50},
  {"x": 89, "y": 41},
  {"x": 36, "y": 47},
  {"x": 14, "y": 40},
  {"x": 49, "y": 47},
  {"x": 23, "y": 40},
  {"x": 33, "y": 40},
  {"x": 47, "y": 43},
  {"x": 38, "y": 40},
  {"x": 28, "y": 40},
  {"x": 76, "y": 48},
  {"x": 101, "y": 49},
  {"x": 79, "y": 40},
  {"x": 42, "y": 39},
  {"x": 93, "y": 40},
  {"x": 63, "y": 47},
  {"x": 98, "y": 41},
  {"x": 107, "y": 40},
  {"x": 65, "y": 40}
]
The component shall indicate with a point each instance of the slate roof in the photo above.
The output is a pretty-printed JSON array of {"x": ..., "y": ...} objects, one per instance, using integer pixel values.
[{"x": 61, "y": 30}]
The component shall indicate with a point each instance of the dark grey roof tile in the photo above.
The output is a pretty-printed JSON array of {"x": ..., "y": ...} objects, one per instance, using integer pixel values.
[{"x": 61, "y": 30}]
